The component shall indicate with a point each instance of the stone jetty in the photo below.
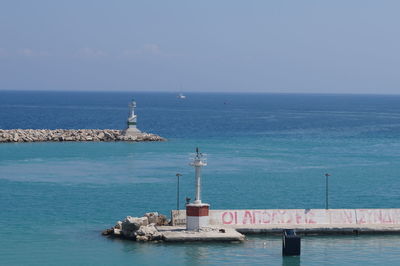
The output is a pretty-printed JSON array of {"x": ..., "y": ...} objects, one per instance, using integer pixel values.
[
  {"x": 155, "y": 227},
  {"x": 139, "y": 228},
  {"x": 56, "y": 135}
]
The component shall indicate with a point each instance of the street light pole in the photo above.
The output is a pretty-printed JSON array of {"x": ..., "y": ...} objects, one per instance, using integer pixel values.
[
  {"x": 177, "y": 191},
  {"x": 326, "y": 190}
]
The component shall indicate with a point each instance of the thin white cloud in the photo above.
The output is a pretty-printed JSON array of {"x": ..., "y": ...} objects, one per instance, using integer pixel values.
[
  {"x": 151, "y": 49},
  {"x": 91, "y": 53},
  {"x": 27, "y": 52}
]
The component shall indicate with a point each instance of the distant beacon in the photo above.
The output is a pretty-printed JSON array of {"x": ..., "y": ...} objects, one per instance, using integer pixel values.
[{"x": 132, "y": 119}]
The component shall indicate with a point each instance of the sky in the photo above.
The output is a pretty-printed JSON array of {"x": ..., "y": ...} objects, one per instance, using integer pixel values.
[{"x": 341, "y": 46}]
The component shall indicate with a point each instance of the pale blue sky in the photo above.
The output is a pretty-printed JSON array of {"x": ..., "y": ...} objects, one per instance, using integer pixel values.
[{"x": 261, "y": 46}]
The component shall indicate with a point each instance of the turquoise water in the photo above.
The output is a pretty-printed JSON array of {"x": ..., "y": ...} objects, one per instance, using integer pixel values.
[{"x": 264, "y": 151}]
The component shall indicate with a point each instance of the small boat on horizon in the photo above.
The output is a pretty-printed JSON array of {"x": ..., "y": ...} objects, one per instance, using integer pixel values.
[{"x": 181, "y": 96}]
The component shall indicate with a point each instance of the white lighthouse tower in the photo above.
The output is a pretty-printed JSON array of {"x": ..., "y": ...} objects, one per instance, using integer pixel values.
[
  {"x": 197, "y": 213},
  {"x": 132, "y": 119}
]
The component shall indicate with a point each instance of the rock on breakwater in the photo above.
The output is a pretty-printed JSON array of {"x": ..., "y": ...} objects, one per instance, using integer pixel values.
[
  {"x": 139, "y": 228},
  {"x": 42, "y": 135}
]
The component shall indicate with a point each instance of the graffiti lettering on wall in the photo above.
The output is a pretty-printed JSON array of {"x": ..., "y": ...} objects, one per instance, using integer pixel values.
[
  {"x": 378, "y": 216},
  {"x": 343, "y": 216},
  {"x": 313, "y": 216},
  {"x": 297, "y": 217},
  {"x": 242, "y": 217}
]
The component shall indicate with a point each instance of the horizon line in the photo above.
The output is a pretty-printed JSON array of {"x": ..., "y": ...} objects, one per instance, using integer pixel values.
[{"x": 205, "y": 92}]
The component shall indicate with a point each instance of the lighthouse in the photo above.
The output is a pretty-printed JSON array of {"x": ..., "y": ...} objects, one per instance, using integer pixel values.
[
  {"x": 197, "y": 213},
  {"x": 132, "y": 119}
]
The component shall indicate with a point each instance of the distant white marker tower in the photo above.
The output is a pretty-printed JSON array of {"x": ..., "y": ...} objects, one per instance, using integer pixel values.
[
  {"x": 197, "y": 213},
  {"x": 132, "y": 119}
]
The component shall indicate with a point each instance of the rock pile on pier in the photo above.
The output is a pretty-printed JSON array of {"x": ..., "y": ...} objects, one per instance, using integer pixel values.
[
  {"x": 41, "y": 135},
  {"x": 155, "y": 227},
  {"x": 139, "y": 228}
]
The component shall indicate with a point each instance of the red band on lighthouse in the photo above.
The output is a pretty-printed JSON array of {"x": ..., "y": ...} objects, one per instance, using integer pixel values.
[{"x": 197, "y": 210}]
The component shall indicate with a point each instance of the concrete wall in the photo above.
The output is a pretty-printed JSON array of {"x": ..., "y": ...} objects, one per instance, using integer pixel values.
[{"x": 256, "y": 218}]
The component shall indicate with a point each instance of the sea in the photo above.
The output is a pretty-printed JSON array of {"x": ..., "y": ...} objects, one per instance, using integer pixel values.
[{"x": 264, "y": 151}]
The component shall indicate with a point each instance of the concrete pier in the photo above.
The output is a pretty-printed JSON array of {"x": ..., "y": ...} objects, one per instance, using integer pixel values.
[
  {"x": 304, "y": 221},
  {"x": 321, "y": 230},
  {"x": 210, "y": 234}
]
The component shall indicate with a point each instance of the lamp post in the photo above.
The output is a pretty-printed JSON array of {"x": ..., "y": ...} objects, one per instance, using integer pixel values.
[
  {"x": 326, "y": 190},
  {"x": 177, "y": 191}
]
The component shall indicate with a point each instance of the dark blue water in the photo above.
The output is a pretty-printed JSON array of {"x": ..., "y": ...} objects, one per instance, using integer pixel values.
[
  {"x": 206, "y": 115},
  {"x": 264, "y": 151}
]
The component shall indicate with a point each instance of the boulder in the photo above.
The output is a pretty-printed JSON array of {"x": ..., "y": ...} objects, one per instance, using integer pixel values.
[
  {"x": 118, "y": 225},
  {"x": 130, "y": 225},
  {"x": 142, "y": 238},
  {"x": 116, "y": 231},
  {"x": 152, "y": 217},
  {"x": 107, "y": 232},
  {"x": 108, "y": 136},
  {"x": 149, "y": 232},
  {"x": 146, "y": 230},
  {"x": 15, "y": 137},
  {"x": 156, "y": 218},
  {"x": 101, "y": 135},
  {"x": 162, "y": 220}
]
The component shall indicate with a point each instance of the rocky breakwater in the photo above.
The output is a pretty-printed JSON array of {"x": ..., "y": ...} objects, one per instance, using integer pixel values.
[
  {"x": 139, "y": 228},
  {"x": 41, "y": 135}
]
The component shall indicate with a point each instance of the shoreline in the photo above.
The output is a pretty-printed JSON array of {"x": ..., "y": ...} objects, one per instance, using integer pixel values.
[{"x": 75, "y": 135}]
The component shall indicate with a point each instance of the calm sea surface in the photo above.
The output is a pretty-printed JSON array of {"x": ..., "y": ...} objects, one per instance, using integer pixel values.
[{"x": 264, "y": 151}]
